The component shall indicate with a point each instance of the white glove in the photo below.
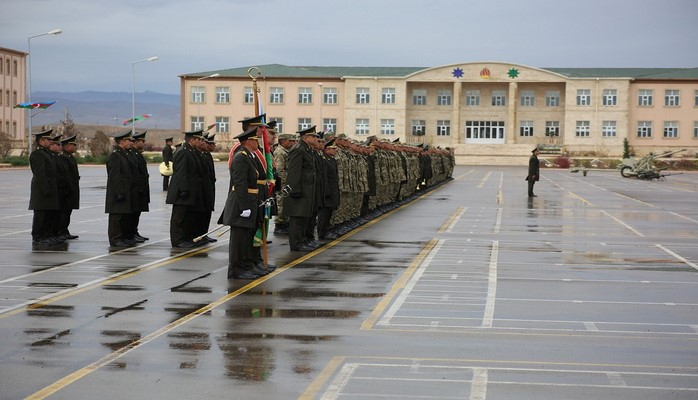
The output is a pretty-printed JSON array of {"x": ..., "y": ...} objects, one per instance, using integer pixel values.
[{"x": 246, "y": 213}]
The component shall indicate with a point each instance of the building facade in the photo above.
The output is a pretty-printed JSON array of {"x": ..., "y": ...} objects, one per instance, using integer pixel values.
[
  {"x": 485, "y": 110},
  {"x": 12, "y": 91}
]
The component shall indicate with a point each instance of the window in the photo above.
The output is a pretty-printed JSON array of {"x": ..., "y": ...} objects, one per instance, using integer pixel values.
[
  {"x": 222, "y": 125},
  {"x": 610, "y": 97},
  {"x": 305, "y": 96},
  {"x": 279, "y": 124},
  {"x": 1, "y": 66},
  {"x": 499, "y": 98},
  {"x": 223, "y": 94},
  {"x": 696, "y": 99},
  {"x": 484, "y": 130},
  {"x": 197, "y": 94},
  {"x": 552, "y": 128},
  {"x": 443, "y": 98},
  {"x": 582, "y": 129},
  {"x": 15, "y": 100},
  {"x": 644, "y": 97},
  {"x": 419, "y": 97},
  {"x": 7, "y": 66},
  {"x": 388, "y": 96},
  {"x": 608, "y": 129},
  {"x": 443, "y": 128},
  {"x": 276, "y": 95},
  {"x": 14, "y": 68},
  {"x": 695, "y": 129},
  {"x": 526, "y": 128},
  {"x": 552, "y": 98},
  {"x": 387, "y": 126},
  {"x": 362, "y": 126},
  {"x": 472, "y": 98},
  {"x": 671, "y": 98},
  {"x": 528, "y": 98},
  {"x": 304, "y": 123},
  {"x": 362, "y": 96},
  {"x": 671, "y": 129},
  {"x": 419, "y": 127},
  {"x": 248, "y": 95},
  {"x": 196, "y": 123},
  {"x": 644, "y": 129},
  {"x": 329, "y": 124},
  {"x": 583, "y": 97},
  {"x": 329, "y": 96}
]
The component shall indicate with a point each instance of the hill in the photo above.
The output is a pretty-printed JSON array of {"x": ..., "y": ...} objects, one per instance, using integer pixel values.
[{"x": 109, "y": 109}]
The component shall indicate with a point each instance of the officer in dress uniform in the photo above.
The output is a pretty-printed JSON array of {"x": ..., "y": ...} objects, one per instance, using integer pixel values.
[
  {"x": 167, "y": 159},
  {"x": 300, "y": 204},
  {"x": 44, "y": 197},
  {"x": 143, "y": 183},
  {"x": 208, "y": 145},
  {"x": 72, "y": 191},
  {"x": 241, "y": 208},
  {"x": 330, "y": 200},
  {"x": 186, "y": 192},
  {"x": 286, "y": 141},
  {"x": 119, "y": 201}
]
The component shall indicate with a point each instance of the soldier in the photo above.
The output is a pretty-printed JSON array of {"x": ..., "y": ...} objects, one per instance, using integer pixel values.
[
  {"x": 143, "y": 184},
  {"x": 286, "y": 141},
  {"x": 300, "y": 204},
  {"x": 118, "y": 203},
  {"x": 186, "y": 192},
  {"x": 330, "y": 200},
  {"x": 208, "y": 145},
  {"x": 241, "y": 209},
  {"x": 72, "y": 190},
  {"x": 167, "y": 159},
  {"x": 533, "y": 171},
  {"x": 44, "y": 197}
]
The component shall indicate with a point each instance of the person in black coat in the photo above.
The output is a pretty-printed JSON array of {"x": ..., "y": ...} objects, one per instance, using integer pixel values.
[
  {"x": 300, "y": 206},
  {"x": 44, "y": 197},
  {"x": 142, "y": 184},
  {"x": 186, "y": 192},
  {"x": 241, "y": 209},
  {"x": 533, "y": 171},
  {"x": 330, "y": 200},
  {"x": 72, "y": 190},
  {"x": 119, "y": 200},
  {"x": 167, "y": 159}
]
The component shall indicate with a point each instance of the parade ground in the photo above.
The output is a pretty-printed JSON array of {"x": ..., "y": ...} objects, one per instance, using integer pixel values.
[{"x": 471, "y": 291}]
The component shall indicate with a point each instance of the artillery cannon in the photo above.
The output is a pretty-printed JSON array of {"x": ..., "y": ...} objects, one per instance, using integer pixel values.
[{"x": 644, "y": 167}]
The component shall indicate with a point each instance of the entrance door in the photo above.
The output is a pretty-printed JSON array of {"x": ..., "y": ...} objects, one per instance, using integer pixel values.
[{"x": 490, "y": 132}]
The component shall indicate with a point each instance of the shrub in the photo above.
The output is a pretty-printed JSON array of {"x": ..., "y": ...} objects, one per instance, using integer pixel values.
[{"x": 562, "y": 162}]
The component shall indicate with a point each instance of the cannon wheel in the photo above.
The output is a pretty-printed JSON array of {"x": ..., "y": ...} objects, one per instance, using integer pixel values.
[{"x": 624, "y": 171}]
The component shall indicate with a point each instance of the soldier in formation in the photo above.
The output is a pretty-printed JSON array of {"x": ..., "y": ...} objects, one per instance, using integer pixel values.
[
  {"x": 44, "y": 196},
  {"x": 71, "y": 188}
]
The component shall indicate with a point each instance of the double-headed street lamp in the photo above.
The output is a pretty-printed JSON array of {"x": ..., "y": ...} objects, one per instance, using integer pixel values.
[
  {"x": 29, "y": 83},
  {"x": 133, "y": 92},
  {"x": 198, "y": 103}
]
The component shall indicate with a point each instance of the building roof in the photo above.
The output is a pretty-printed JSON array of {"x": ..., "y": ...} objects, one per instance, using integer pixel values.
[{"x": 317, "y": 72}]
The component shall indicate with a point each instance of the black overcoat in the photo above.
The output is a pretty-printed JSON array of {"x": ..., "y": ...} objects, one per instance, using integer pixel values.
[
  {"x": 44, "y": 184},
  {"x": 301, "y": 178},
  {"x": 118, "y": 200},
  {"x": 243, "y": 179}
]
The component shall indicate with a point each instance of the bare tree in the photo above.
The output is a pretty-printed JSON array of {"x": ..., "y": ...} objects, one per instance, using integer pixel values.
[
  {"x": 100, "y": 144},
  {"x": 5, "y": 145}
]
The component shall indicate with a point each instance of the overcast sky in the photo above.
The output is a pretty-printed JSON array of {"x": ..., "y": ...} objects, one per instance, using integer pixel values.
[{"x": 102, "y": 38}]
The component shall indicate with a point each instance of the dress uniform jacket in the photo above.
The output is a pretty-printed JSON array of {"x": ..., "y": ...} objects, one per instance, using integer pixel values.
[
  {"x": 73, "y": 193},
  {"x": 143, "y": 183},
  {"x": 119, "y": 183},
  {"x": 301, "y": 179},
  {"x": 44, "y": 184},
  {"x": 243, "y": 193},
  {"x": 331, "y": 192},
  {"x": 186, "y": 186}
]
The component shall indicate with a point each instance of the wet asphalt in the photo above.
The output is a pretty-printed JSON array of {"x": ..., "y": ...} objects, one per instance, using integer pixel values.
[{"x": 472, "y": 291}]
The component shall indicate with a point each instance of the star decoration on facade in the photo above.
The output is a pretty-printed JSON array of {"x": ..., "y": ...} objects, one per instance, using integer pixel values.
[
  {"x": 513, "y": 73},
  {"x": 457, "y": 72}
]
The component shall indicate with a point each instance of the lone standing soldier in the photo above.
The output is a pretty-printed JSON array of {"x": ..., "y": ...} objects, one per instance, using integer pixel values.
[
  {"x": 43, "y": 199},
  {"x": 167, "y": 159},
  {"x": 118, "y": 203},
  {"x": 72, "y": 190},
  {"x": 533, "y": 171}
]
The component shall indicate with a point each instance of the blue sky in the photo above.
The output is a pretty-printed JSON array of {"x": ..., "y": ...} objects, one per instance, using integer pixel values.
[{"x": 102, "y": 38}]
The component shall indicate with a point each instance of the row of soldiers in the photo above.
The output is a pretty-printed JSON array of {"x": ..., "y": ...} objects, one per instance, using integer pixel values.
[
  {"x": 55, "y": 188},
  {"x": 337, "y": 184}
]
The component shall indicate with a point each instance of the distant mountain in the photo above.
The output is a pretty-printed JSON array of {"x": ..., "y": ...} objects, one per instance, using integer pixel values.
[{"x": 108, "y": 108}]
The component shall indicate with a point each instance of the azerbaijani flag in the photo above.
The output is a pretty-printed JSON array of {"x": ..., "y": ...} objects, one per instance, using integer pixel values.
[
  {"x": 32, "y": 106},
  {"x": 261, "y": 234},
  {"x": 138, "y": 118}
]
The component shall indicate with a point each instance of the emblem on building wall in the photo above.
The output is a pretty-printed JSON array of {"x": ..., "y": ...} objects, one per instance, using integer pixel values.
[
  {"x": 513, "y": 73},
  {"x": 457, "y": 72},
  {"x": 485, "y": 73}
]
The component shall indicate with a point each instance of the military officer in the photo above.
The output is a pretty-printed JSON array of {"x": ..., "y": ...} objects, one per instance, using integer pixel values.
[
  {"x": 72, "y": 190},
  {"x": 44, "y": 196},
  {"x": 119, "y": 200},
  {"x": 286, "y": 141},
  {"x": 533, "y": 171},
  {"x": 330, "y": 200},
  {"x": 143, "y": 184},
  {"x": 167, "y": 159}
]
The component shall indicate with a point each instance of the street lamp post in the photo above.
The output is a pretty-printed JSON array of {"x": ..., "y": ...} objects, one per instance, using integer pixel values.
[
  {"x": 198, "y": 103},
  {"x": 322, "y": 125},
  {"x": 29, "y": 83},
  {"x": 133, "y": 91}
]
